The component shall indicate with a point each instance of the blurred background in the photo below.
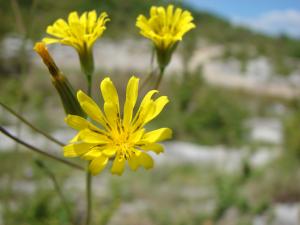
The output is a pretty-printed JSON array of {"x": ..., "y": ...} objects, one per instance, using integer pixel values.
[{"x": 234, "y": 86}]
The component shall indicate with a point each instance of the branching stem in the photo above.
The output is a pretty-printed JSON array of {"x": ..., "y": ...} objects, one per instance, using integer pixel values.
[{"x": 37, "y": 150}]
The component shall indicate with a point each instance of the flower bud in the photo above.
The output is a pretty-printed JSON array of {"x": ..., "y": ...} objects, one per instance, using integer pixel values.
[{"x": 60, "y": 82}]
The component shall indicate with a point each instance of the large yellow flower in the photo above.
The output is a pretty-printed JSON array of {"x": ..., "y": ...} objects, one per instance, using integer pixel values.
[
  {"x": 78, "y": 32},
  {"x": 166, "y": 26},
  {"x": 120, "y": 138}
]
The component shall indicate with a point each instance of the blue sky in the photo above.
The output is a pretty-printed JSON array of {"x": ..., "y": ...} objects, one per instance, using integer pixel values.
[{"x": 270, "y": 16}]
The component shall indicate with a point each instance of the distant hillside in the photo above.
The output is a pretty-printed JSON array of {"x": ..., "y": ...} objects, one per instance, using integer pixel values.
[{"x": 239, "y": 42}]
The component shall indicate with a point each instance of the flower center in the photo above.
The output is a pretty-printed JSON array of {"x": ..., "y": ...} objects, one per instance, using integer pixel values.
[{"x": 123, "y": 144}]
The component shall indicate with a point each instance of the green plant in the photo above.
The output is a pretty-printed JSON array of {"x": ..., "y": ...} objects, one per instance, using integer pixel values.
[{"x": 291, "y": 135}]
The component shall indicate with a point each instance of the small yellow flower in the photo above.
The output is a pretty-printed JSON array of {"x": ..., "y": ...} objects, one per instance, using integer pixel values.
[
  {"x": 79, "y": 32},
  {"x": 165, "y": 27},
  {"x": 119, "y": 138}
]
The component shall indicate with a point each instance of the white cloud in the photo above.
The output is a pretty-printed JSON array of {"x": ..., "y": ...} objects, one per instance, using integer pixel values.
[{"x": 274, "y": 22}]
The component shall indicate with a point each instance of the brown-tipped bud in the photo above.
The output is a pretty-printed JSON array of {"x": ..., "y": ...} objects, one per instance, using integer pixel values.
[
  {"x": 41, "y": 49},
  {"x": 60, "y": 82}
]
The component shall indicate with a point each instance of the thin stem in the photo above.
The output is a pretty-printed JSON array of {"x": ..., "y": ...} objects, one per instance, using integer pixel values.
[
  {"x": 89, "y": 82},
  {"x": 152, "y": 70},
  {"x": 88, "y": 174},
  {"x": 31, "y": 126},
  {"x": 145, "y": 82},
  {"x": 52, "y": 177},
  {"x": 88, "y": 198},
  {"x": 152, "y": 59},
  {"x": 38, "y": 150},
  {"x": 161, "y": 74}
]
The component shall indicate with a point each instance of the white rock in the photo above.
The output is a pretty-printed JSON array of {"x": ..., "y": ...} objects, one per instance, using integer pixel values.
[
  {"x": 287, "y": 214},
  {"x": 267, "y": 130}
]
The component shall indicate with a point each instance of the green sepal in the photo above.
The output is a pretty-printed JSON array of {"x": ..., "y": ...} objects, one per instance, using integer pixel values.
[
  {"x": 67, "y": 96},
  {"x": 164, "y": 56}
]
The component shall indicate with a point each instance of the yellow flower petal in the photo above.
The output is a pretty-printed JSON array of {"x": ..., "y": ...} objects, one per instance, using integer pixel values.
[
  {"x": 131, "y": 98},
  {"x": 159, "y": 105},
  {"x": 157, "y": 135},
  {"x": 91, "y": 108},
  {"x": 147, "y": 98},
  {"x": 157, "y": 148},
  {"x": 50, "y": 40},
  {"x": 134, "y": 163},
  {"x": 76, "y": 122},
  {"x": 77, "y": 149},
  {"x": 92, "y": 18},
  {"x": 109, "y": 152},
  {"x": 146, "y": 113},
  {"x": 137, "y": 135},
  {"x": 79, "y": 123},
  {"x": 144, "y": 104},
  {"x": 98, "y": 164},
  {"x": 118, "y": 166},
  {"x": 83, "y": 19},
  {"x": 89, "y": 136},
  {"x": 109, "y": 92},
  {"x": 73, "y": 18},
  {"x": 92, "y": 154},
  {"x": 112, "y": 115},
  {"x": 145, "y": 160}
]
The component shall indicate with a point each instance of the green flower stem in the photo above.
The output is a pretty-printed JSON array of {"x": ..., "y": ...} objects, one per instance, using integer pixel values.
[
  {"x": 160, "y": 76},
  {"x": 89, "y": 77},
  {"x": 152, "y": 59},
  {"x": 147, "y": 80},
  {"x": 88, "y": 198},
  {"x": 37, "y": 150},
  {"x": 152, "y": 70},
  {"x": 30, "y": 125}
]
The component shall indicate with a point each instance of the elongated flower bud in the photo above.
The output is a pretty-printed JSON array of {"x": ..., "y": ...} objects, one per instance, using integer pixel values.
[{"x": 60, "y": 82}]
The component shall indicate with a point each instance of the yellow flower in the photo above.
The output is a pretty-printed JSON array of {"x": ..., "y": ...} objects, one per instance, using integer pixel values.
[
  {"x": 165, "y": 27},
  {"x": 79, "y": 32},
  {"x": 119, "y": 138}
]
